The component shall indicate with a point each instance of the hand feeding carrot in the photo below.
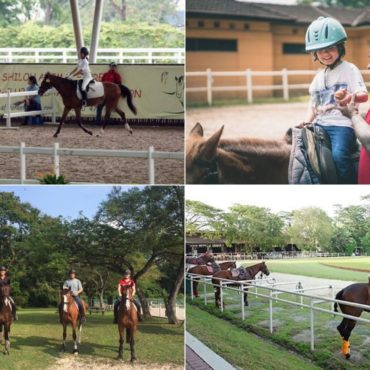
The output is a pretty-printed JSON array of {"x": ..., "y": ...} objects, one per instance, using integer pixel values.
[{"x": 343, "y": 97}]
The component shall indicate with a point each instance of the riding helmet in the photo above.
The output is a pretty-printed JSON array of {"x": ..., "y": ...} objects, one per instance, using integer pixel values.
[
  {"x": 84, "y": 50},
  {"x": 127, "y": 272},
  {"x": 323, "y": 33},
  {"x": 2, "y": 268},
  {"x": 113, "y": 64},
  {"x": 72, "y": 271}
]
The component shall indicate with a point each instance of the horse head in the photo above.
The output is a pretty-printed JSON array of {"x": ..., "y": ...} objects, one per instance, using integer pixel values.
[
  {"x": 126, "y": 292},
  {"x": 5, "y": 292},
  {"x": 264, "y": 269},
  {"x": 201, "y": 156},
  {"x": 233, "y": 265},
  {"x": 45, "y": 84}
]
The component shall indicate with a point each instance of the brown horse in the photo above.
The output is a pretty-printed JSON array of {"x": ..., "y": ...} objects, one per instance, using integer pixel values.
[
  {"x": 5, "y": 316},
  {"x": 238, "y": 161},
  {"x": 356, "y": 293},
  {"x": 67, "y": 89},
  {"x": 202, "y": 260},
  {"x": 127, "y": 319},
  {"x": 250, "y": 273},
  {"x": 70, "y": 315},
  {"x": 204, "y": 270}
]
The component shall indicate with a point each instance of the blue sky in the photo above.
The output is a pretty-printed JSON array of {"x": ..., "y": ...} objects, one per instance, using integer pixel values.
[{"x": 66, "y": 201}]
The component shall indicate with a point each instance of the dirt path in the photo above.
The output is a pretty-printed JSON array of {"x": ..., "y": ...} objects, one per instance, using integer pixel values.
[
  {"x": 91, "y": 363},
  {"x": 269, "y": 121},
  {"x": 95, "y": 169}
]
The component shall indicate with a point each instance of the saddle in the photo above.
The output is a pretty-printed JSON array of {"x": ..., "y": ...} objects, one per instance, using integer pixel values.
[
  {"x": 79, "y": 83},
  {"x": 240, "y": 273},
  {"x": 213, "y": 267},
  {"x": 318, "y": 147}
]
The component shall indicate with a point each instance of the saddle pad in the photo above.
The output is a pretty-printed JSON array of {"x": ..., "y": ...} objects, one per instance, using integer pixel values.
[
  {"x": 234, "y": 273},
  {"x": 210, "y": 269},
  {"x": 95, "y": 90}
]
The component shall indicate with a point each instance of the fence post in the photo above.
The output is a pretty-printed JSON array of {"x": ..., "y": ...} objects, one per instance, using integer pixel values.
[
  {"x": 332, "y": 295},
  {"x": 312, "y": 326},
  {"x": 191, "y": 287},
  {"x": 56, "y": 159},
  {"x": 270, "y": 313},
  {"x": 209, "y": 86},
  {"x": 64, "y": 55},
  {"x": 248, "y": 76},
  {"x": 151, "y": 166},
  {"x": 221, "y": 297},
  {"x": 205, "y": 292},
  {"x": 242, "y": 300},
  {"x": 22, "y": 162},
  {"x": 285, "y": 84},
  {"x": 8, "y": 110}
]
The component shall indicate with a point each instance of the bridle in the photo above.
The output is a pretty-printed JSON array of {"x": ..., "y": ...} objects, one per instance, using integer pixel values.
[{"x": 212, "y": 176}]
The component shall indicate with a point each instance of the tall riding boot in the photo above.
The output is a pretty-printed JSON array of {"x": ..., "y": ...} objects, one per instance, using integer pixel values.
[
  {"x": 84, "y": 98},
  {"x": 83, "y": 314},
  {"x": 115, "y": 311},
  {"x": 138, "y": 309}
]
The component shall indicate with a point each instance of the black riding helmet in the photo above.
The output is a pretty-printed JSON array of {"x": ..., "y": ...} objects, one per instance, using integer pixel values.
[
  {"x": 84, "y": 50},
  {"x": 72, "y": 271}
]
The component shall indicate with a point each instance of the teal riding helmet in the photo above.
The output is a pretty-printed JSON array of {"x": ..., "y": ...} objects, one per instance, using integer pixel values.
[{"x": 323, "y": 33}]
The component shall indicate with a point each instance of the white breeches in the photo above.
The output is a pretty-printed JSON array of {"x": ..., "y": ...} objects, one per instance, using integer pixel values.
[{"x": 85, "y": 81}]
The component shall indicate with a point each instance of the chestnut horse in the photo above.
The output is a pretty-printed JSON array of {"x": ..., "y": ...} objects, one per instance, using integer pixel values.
[
  {"x": 251, "y": 273},
  {"x": 127, "y": 319},
  {"x": 236, "y": 161},
  {"x": 67, "y": 90},
  {"x": 356, "y": 293},
  {"x": 5, "y": 316},
  {"x": 202, "y": 260},
  {"x": 70, "y": 315},
  {"x": 203, "y": 270}
]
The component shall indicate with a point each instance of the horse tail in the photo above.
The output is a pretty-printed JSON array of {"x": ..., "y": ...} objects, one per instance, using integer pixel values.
[
  {"x": 126, "y": 93},
  {"x": 338, "y": 296}
]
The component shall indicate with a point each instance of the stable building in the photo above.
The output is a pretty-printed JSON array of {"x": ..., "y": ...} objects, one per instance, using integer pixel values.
[{"x": 230, "y": 35}]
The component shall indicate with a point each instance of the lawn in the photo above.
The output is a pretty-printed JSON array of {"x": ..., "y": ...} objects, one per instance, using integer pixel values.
[
  {"x": 239, "y": 347},
  {"x": 314, "y": 267},
  {"x": 36, "y": 341}
]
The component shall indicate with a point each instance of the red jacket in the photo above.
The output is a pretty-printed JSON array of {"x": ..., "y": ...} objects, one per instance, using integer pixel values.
[
  {"x": 131, "y": 283},
  {"x": 112, "y": 76}
]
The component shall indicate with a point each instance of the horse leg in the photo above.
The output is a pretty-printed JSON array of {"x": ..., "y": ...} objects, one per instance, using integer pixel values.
[
  {"x": 131, "y": 338},
  {"x": 78, "y": 117},
  {"x": 195, "y": 290},
  {"x": 246, "y": 298},
  {"x": 108, "y": 110},
  {"x": 347, "y": 333},
  {"x": 217, "y": 296},
  {"x": 64, "y": 337},
  {"x": 65, "y": 113},
  {"x": 75, "y": 346},
  {"x": 7, "y": 340},
  {"x": 79, "y": 332},
  {"x": 120, "y": 349},
  {"x": 123, "y": 116}
]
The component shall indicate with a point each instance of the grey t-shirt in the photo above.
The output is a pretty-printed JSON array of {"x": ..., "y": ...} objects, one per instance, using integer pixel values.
[{"x": 74, "y": 284}]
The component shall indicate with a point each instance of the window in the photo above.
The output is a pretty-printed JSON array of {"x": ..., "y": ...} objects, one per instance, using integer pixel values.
[
  {"x": 226, "y": 45},
  {"x": 294, "y": 48},
  {"x": 216, "y": 24},
  {"x": 200, "y": 24},
  {"x": 232, "y": 26},
  {"x": 246, "y": 27}
]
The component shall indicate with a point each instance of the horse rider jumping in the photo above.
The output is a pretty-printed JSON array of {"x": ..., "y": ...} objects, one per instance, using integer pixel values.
[
  {"x": 5, "y": 281},
  {"x": 84, "y": 69},
  {"x": 126, "y": 281},
  {"x": 76, "y": 288}
]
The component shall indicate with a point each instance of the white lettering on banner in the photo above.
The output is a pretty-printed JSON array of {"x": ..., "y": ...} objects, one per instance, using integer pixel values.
[{"x": 158, "y": 90}]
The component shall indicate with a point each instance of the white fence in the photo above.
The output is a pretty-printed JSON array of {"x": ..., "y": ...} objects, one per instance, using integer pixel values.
[
  {"x": 9, "y": 114},
  {"x": 273, "y": 291},
  {"x": 249, "y": 87},
  {"x": 56, "y": 152},
  {"x": 118, "y": 55},
  {"x": 158, "y": 309}
]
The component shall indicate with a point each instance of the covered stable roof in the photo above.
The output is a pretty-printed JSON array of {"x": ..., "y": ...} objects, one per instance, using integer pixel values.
[
  {"x": 298, "y": 14},
  {"x": 197, "y": 240}
]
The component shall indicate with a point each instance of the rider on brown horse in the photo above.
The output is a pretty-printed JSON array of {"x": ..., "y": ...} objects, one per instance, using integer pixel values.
[
  {"x": 76, "y": 288},
  {"x": 126, "y": 281},
  {"x": 83, "y": 69},
  {"x": 4, "y": 280}
]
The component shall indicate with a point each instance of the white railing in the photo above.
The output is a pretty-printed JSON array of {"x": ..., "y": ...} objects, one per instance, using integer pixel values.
[
  {"x": 248, "y": 87},
  {"x": 158, "y": 309},
  {"x": 9, "y": 114},
  {"x": 118, "y": 55},
  {"x": 272, "y": 296},
  {"x": 56, "y": 152}
]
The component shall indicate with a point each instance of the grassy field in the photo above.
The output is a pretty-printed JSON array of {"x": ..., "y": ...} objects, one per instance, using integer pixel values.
[
  {"x": 314, "y": 267},
  {"x": 36, "y": 341},
  {"x": 240, "y": 348}
]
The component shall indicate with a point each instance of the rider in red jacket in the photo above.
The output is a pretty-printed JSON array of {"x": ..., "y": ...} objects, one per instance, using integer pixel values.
[{"x": 111, "y": 76}]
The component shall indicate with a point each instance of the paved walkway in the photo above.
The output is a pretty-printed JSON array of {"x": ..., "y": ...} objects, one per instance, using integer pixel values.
[{"x": 201, "y": 357}]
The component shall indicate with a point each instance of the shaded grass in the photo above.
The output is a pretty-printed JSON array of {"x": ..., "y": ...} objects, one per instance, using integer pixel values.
[
  {"x": 240, "y": 347},
  {"x": 36, "y": 340}
]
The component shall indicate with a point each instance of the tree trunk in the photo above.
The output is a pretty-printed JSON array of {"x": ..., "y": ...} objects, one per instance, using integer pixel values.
[
  {"x": 144, "y": 304},
  {"x": 171, "y": 300},
  {"x": 101, "y": 298}
]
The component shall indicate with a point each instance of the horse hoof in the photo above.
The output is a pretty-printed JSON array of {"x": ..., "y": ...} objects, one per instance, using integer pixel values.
[
  {"x": 131, "y": 132},
  {"x": 55, "y": 135},
  {"x": 119, "y": 358},
  {"x": 75, "y": 353},
  {"x": 90, "y": 133},
  {"x": 133, "y": 359},
  {"x": 246, "y": 304}
]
